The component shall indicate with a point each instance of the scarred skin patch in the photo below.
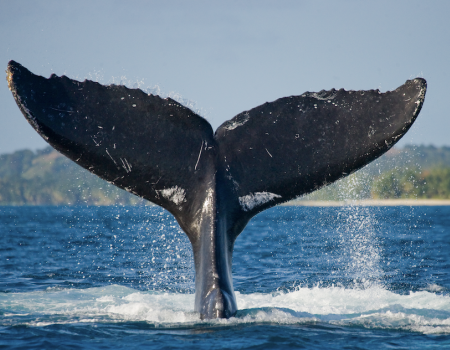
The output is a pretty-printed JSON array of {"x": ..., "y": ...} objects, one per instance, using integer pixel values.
[
  {"x": 175, "y": 194},
  {"x": 253, "y": 200}
]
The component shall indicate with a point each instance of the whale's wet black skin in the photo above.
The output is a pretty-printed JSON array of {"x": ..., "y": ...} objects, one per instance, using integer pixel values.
[{"x": 214, "y": 183}]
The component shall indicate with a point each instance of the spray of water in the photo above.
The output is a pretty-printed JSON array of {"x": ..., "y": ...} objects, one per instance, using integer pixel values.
[
  {"x": 142, "y": 248},
  {"x": 360, "y": 244},
  {"x": 157, "y": 90},
  {"x": 170, "y": 256}
]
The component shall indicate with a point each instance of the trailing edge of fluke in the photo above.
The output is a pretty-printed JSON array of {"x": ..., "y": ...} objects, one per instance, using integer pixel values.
[{"x": 214, "y": 183}]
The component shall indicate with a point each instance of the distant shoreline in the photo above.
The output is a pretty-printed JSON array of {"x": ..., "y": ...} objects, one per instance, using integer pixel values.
[
  {"x": 294, "y": 203},
  {"x": 371, "y": 202}
]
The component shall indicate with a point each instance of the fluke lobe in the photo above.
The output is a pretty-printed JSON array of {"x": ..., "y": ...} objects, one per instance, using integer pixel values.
[{"x": 214, "y": 183}]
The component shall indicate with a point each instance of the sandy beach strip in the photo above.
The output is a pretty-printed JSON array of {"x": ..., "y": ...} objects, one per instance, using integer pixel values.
[{"x": 371, "y": 202}]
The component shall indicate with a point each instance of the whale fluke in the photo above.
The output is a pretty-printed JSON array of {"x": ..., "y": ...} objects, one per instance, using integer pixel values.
[{"x": 214, "y": 183}]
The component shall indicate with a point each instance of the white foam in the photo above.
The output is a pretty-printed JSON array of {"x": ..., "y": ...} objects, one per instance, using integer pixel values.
[
  {"x": 375, "y": 307},
  {"x": 337, "y": 300}
]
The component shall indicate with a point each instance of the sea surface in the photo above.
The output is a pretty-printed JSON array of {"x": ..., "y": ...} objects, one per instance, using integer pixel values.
[{"x": 305, "y": 277}]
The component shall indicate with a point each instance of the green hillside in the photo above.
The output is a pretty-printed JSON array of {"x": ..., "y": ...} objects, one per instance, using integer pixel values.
[
  {"x": 46, "y": 177},
  {"x": 409, "y": 172}
]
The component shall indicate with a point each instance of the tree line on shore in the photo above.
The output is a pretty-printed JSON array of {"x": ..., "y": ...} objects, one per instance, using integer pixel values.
[
  {"x": 411, "y": 183},
  {"x": 413, "y": 172},
  {"x": 45, "y": 177}
]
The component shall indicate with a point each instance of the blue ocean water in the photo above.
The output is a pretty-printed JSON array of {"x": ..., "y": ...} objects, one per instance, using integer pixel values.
[{"x": 305, "y": 277}]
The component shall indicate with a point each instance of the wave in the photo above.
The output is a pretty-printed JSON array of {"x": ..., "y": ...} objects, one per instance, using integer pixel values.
[{"x": 375, "y": 307}]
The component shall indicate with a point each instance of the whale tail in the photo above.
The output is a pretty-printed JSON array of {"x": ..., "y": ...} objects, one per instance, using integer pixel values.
[{"x": 214, "y": 183}]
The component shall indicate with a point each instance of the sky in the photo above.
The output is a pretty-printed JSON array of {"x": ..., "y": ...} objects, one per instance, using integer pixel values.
[{"x": 224, "y": 57}]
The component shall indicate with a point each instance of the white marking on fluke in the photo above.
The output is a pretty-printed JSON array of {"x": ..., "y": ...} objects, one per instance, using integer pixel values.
[
  {"x": 126, "y": 165},
  {"x": 61, "y": 110},
  {"x": 175, "y": 194},
  {"x": 198, "y": 159},
  {"x": 323, "y": 95},
  {"x": 96, "y": 143},
  {"x": 253, "y": 200},
  {"x": 111, "y": 157},
  {"x": 233, "y": 124}
]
